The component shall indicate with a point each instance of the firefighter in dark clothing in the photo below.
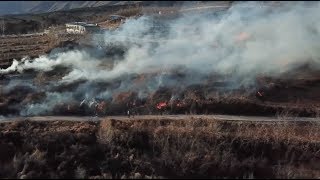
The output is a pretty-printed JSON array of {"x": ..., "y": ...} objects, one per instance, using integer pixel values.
[{"x": 131, "y": 106}]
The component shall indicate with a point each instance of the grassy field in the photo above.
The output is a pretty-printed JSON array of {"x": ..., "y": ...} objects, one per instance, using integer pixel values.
[{"x": 159, "y": 148}]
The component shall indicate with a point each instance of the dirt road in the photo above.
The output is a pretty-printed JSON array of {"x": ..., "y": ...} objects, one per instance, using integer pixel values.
[{"x": 176, "y": 117}]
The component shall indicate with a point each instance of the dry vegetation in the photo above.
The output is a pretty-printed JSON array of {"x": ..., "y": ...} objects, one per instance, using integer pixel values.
[
  {"x": 17, "y": 47},
  {"x": 130, "y": 12},
  {"x": 160, "y": 148},
  {"x": 157, "y": 148}
]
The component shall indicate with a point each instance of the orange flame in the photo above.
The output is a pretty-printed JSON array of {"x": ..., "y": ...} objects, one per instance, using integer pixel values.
[{"x": 161, "y": 105}]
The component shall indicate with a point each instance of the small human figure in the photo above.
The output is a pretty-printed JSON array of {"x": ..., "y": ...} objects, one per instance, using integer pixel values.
[
  {"x": 96, "y": 110},
  {"x": 128, "y": 113},
  {"x": 260, "y": 95}
]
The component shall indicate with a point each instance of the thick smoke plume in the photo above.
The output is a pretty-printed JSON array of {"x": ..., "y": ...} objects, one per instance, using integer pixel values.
[{"x": 244, "y": 42}]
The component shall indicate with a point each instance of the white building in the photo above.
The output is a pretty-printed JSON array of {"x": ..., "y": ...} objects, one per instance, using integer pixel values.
[{"x": 81, "y": 28}]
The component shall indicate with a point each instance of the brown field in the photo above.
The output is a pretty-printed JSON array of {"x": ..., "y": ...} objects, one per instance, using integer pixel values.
[
  {"x": 196, "y": 144},
  {"x": 17, "y": 47},
  {"x": 159, "y": 148}
]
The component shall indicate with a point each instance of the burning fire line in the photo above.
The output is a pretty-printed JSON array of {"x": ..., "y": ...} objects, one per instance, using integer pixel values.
[{"x": 161, "y": 105}]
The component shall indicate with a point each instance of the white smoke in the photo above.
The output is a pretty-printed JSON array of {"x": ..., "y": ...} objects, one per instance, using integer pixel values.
[
  {"x": 12, "y": 68},
  {"x": 45, "y": 108},
  {"x": 274, "y": 42},
  {"x": 244, "y": 42}
]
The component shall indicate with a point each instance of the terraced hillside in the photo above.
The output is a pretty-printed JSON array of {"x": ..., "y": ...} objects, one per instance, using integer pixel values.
[{"x": 32, "y": 45}]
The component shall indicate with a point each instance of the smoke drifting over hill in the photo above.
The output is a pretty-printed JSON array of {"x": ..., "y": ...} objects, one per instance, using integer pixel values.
[{"x": 246, "y": 41}]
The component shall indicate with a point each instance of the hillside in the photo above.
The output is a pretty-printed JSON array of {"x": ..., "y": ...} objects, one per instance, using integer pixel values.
[{"x": 21, "y": 7}]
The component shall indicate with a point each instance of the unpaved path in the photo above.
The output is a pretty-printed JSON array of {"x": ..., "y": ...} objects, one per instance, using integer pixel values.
[{"x": 176, "y": 117}]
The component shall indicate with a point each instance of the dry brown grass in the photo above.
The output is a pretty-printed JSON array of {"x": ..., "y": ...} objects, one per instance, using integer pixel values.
[
  {"x": 196, "y": 145},
  {"x": 279, "y": 131},
  {"x": 155, "y": 148},
  {"x": 129, "y": 12}
]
